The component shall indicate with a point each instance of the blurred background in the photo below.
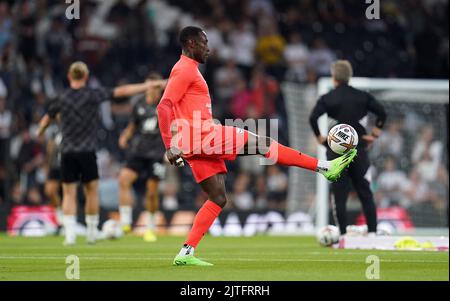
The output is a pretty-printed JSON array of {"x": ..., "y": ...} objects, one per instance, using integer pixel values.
[{"x": 259, "y": 48}]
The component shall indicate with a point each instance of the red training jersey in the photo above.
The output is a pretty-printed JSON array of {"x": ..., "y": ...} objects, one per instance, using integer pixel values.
[{"x": 189, "y": 96}]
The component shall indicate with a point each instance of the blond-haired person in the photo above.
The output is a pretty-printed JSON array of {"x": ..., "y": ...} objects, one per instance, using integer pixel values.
[{"x": 78, "y": 109}]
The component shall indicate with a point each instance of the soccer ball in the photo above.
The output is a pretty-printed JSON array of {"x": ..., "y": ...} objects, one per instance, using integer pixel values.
[
  {"x": 385, "y": 229},
  {"x": 342, "y": 138},
  {"x": 328, "y": 235},
  {"x": 111, "y": 229}
]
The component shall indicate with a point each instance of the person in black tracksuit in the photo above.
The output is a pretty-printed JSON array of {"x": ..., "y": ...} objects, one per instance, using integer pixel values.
[{"x": 348, "y": 105}]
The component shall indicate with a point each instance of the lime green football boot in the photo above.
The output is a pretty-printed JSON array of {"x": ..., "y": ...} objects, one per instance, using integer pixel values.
[
  {"x": 189, "y": 260},
  {"x": 338, "y": 165}
]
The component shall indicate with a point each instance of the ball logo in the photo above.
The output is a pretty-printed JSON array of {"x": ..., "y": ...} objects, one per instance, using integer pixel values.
[
  {"x": 342, "y": 138},
  {"x": 342, "y": 135}
]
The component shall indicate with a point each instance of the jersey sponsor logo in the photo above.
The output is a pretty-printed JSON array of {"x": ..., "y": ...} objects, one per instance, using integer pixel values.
[{"x": 149, "y": 124}]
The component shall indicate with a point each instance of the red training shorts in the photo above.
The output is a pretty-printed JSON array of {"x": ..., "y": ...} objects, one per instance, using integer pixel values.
[{"x": 222, "y": 145}]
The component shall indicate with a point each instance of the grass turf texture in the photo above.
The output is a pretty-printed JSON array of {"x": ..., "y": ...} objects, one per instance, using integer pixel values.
[{"x": 263, "y": 258}]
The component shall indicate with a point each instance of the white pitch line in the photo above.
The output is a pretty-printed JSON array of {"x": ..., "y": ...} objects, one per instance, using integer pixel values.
[{"x": 224, "y": 259}]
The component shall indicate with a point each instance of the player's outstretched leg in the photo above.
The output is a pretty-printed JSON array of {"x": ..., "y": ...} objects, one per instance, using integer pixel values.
[{"x": 283, "y": 155}]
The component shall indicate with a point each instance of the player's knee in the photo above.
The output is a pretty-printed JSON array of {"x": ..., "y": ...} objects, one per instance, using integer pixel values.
[
  {"x": 69, "y": 199},
  {"x": 219, "y": 199}
]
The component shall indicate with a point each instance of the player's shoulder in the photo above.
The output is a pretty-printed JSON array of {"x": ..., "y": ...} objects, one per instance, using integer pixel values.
[
  {"x": 69, "y": 92},
  {"x": 182, "y": 65},
  {"x": 356, "y": 90},
  {"x": 327, "y": 95},
  {"x": 362, "y": 94},
  {"x": 355, "y": 93},
  {"x": 95, "y": 89},
  {"x": 65, "y": 95},
  {"x": 65, "y": 92}
]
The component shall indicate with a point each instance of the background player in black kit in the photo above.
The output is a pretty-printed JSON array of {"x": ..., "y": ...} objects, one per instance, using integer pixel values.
[
  {"x": 78, "y": 108},
  {"x": 348, "y": 105},
  {"x": 145, "y": 154}
]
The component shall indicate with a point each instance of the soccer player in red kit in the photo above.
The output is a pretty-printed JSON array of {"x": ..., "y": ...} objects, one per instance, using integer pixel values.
[{"x": 190, "y": 135}]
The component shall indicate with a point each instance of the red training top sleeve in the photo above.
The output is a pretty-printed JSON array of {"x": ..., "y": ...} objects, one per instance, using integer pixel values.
[{"x": 165, "y": 119}]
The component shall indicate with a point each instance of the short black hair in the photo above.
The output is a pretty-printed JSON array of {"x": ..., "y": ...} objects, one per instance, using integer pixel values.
[{"x": 189, "y": 33}]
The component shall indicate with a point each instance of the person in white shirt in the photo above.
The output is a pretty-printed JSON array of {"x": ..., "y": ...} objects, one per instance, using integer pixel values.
[{"x": 296, "y": 55}]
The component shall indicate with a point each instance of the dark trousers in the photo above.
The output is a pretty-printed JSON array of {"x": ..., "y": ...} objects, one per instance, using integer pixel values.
[{"x": 355, "y": 175}]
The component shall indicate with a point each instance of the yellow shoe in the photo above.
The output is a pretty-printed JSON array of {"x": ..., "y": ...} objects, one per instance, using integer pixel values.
[
  {"x": 126, "y": 229},
  {"x": 149, "y": 236}
]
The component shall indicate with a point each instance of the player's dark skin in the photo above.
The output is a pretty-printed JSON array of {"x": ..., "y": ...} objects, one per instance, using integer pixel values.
[{"x": 214, "y": 186}]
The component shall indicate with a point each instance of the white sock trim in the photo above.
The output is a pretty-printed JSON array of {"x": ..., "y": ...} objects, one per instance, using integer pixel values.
[
  {"x": 92, "y": 219},
  {"x": 323, "y": 166},
  {"x": 70, "y": 222},
  {"x": 186, "y": 250},
  {"x": 92, "y": 226},
  {"x": 151, "y": 221}
]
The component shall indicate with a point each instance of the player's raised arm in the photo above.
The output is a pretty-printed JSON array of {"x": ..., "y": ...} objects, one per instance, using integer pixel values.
[{"x": 132, "y": 89}]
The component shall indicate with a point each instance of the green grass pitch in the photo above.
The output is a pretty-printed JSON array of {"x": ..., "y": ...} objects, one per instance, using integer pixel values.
[{"x": 265, "y": 258}]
